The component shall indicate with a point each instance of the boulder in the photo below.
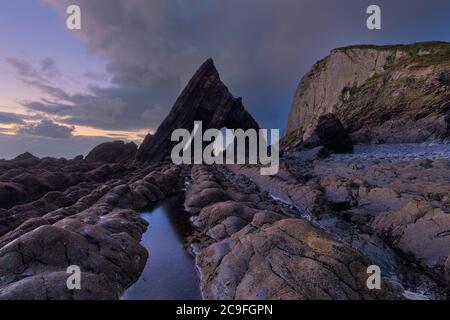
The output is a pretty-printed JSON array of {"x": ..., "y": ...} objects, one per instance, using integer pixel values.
[
  {"x": 330, "y": 133},
  {"x": 33, "y": 185},
  {"x": 79, "y": 158},
  {"x": 25, "y": 156},
  {"x": 11, "y": 194},
  {"x": 105, "y": 245},
  {"x": 112, "y": 152}
]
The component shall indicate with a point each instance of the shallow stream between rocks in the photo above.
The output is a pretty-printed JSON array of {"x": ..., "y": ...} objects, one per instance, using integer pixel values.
[{"x": 170, "y": 272}]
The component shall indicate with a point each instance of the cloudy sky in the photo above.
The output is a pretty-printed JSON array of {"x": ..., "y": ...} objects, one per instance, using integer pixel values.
[{"x": 63, "y": 92}]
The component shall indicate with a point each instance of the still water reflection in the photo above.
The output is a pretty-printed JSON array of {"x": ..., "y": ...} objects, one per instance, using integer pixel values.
[{"x": 170, "y": 272}]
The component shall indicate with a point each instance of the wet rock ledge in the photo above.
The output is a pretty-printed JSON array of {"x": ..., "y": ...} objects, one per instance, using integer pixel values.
[
  {"x": 258, "y": 253},
  {"x": 92, "y": 225}
]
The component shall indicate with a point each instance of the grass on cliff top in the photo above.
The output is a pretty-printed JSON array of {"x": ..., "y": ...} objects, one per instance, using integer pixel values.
[
  {"x": 440, "y": 54},
  {"x": 412, "y": 49}
]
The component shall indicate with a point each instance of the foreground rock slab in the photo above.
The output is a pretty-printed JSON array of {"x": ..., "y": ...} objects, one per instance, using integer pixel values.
[
  {"x": 262, "y": 254},
  {"x": 100, "y": 233}
]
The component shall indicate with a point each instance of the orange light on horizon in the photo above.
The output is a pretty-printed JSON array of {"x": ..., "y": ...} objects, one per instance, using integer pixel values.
[
  {"x": 8, "y": 129},
  {"x": 84, "y": 131}
]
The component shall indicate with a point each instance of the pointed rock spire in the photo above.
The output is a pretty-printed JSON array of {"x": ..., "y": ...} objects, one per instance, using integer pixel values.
[{"x": 205, "y": 99}]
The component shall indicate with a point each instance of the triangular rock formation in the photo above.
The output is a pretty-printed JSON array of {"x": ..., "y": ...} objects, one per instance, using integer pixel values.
[{"x": 205, "y": 99}]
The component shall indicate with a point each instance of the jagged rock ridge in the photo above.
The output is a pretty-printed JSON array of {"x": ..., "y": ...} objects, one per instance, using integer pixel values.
[{"x": 205, "y": 99}]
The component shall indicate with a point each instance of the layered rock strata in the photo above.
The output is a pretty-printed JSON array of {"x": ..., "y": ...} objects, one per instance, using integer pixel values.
[{"x": 381, "y": 94}]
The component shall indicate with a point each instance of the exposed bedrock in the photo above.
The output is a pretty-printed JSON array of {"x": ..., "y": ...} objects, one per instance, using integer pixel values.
[
  {"x": 27, "y": 178},
  {"x": 328, "y": 134},
  {"x": 407, "y": 203},
  {"x": 306, "y": 196},
  {"x": 100, "y": 233},
  {"x": 48, "y": 188},
  {"x": 381, "y": 94},
  {"x": 308, "y": 232},
  {"x": 113, "y": 152},
  {"x": 260, "y": 249},
  {"x": 422, "y": 230},
  {"x": 395, "y": 214},
  {"x": 56, "y": 212}
]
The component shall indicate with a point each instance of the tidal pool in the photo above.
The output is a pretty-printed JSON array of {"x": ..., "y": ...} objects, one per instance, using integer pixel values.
[{"x": 170, "y": 272}]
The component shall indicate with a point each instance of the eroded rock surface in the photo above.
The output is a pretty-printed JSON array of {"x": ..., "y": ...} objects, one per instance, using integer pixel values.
[
  {"x": 258, "y": 253},
  {"x": 97, "y": 230},
  {"x": 309, "y": 232},
  {"x": 422, "y": 230},
  {"x": 381, "y": 94},
  {"x": 113, "y": 152},
  {"x": 328, "y": 133},
  {"x": 389, "y": 213},
  {"x": 406, "y": 203}
]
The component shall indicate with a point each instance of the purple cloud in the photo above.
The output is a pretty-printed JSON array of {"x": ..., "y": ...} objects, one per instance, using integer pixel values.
[{"x": 47, "y": 128}]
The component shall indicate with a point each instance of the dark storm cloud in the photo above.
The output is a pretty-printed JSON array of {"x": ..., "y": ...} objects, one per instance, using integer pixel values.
[
  {"x": 110, "y": 108},
  {"x": 47, "y": 128},
  {"x": 53, "y": 91},
  {"x": 261, "y": 47},
  {"x": 23, "y": 68},
  {"x": 95, "y": 76},
  {"x": 46, "y": 69},
  {"x": 11, "y": 118},
  {"x": 117, "y": 107}
]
